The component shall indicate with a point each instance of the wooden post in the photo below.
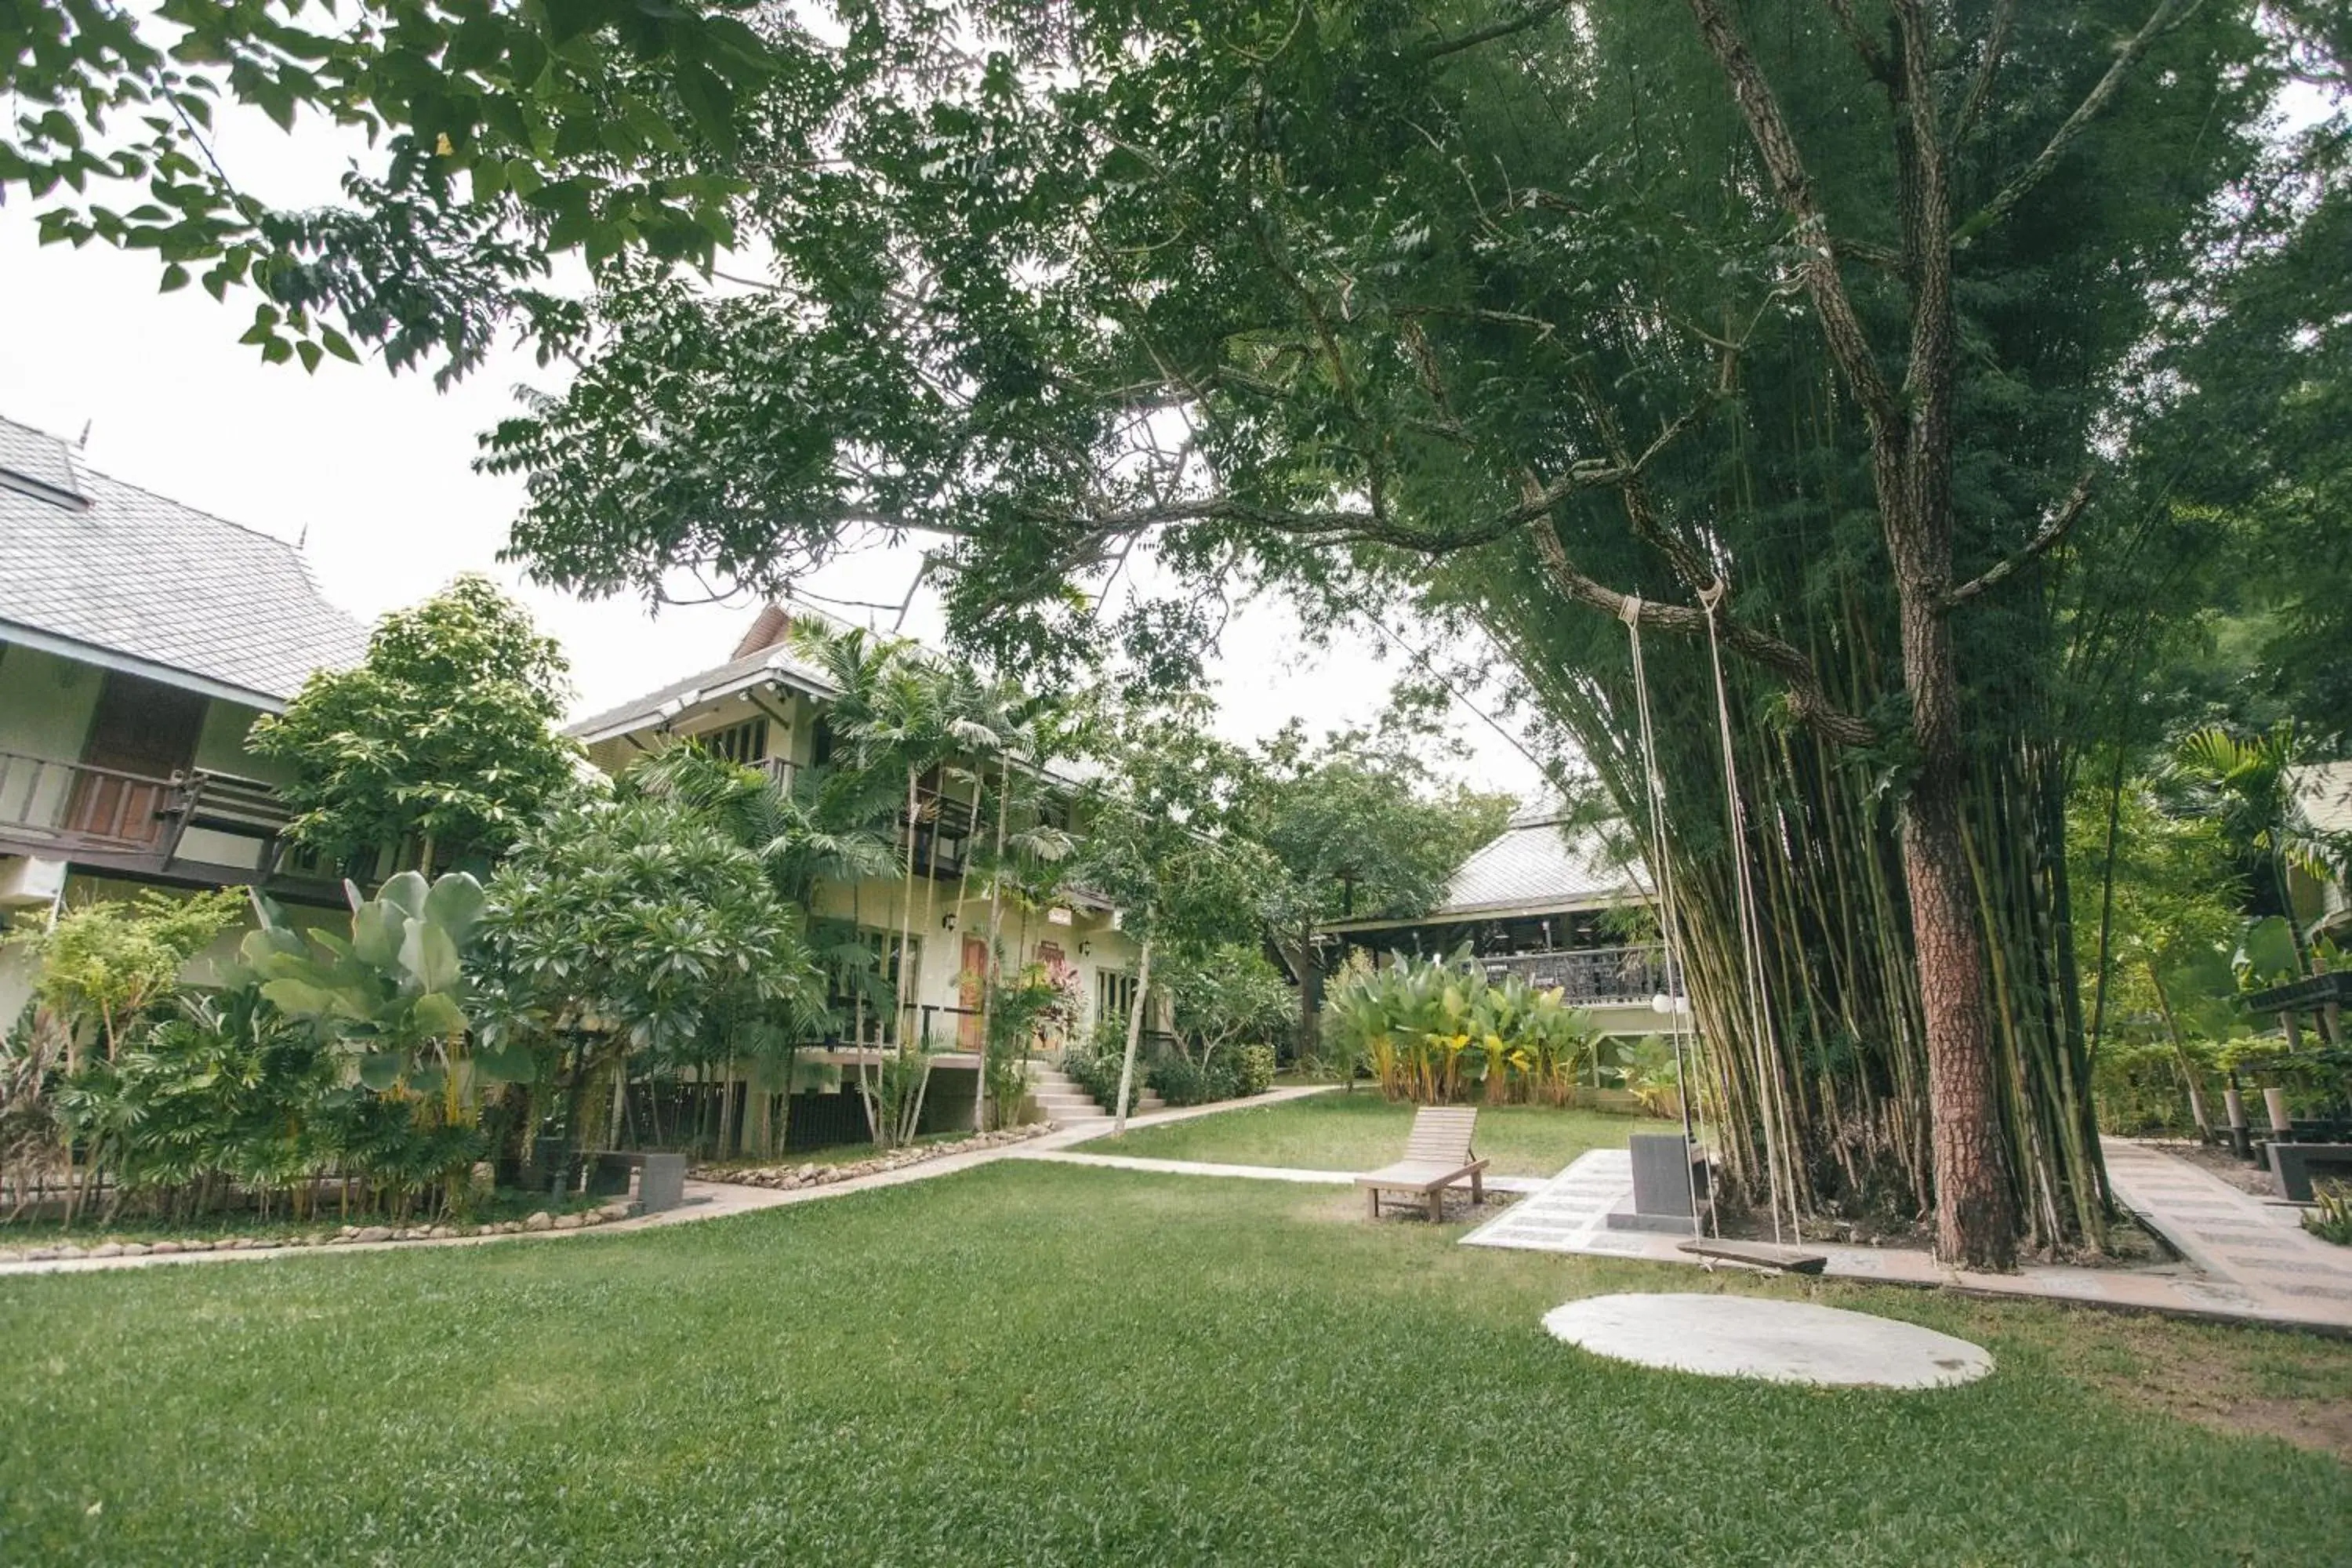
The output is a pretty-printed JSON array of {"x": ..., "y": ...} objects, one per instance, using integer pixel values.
[
  {"x": 2274, "y": 1103},
  {"x": 2294, "y": 1029}
]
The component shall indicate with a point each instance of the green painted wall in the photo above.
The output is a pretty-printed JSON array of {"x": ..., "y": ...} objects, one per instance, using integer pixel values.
[
  {"x": 221, "y": 746},
  {"x": 45, "y": 702}
]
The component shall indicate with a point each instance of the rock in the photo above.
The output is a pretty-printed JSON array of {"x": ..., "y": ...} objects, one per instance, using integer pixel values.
[
  {"x": 439, "y": 1233},
  {"x": 12, "y": 1255},
  {"x": 616, "y": 1211},
  {"x": 130, "y": 1249},
  {"x": 164, "y": 1248},
  {"x": 374, "y": 1233},
  {"x": 542, "y": 1220},
  {"x": 511, "y": 1227},
  {"x": 348, "y": 1231},
  {"x": 112, "y": 1249},
  {"x": 567, "y": 1222},
  {"x": 42, "y": 1254}
]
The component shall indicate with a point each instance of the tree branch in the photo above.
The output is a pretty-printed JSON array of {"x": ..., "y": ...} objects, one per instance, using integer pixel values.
[
  {"x": 1996, "y": 49},
  {"x": 1534, "y": 17},
  {"x": 1849, "y": 345},
  {"x": 1810, "y": 706},
  {"x": 2168, "y": 14},
  {"x": 2051, "y": 532},
  {"x": 1874, "y": 58}
]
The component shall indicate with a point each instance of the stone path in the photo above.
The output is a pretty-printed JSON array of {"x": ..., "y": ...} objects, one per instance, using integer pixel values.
[
  {"x": 704, "y": 1200},
  {"x": 2259, "y": 1246},
  {"x": 1756, "y": 1336},
  {"x": 1042, "y": 1150},
  {"x": 2248, "y": 1261}
]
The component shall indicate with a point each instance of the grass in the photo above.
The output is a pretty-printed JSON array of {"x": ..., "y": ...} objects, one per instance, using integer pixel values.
[
  {"x": 1044, "y": 1364},
  {"x": 1361, "y": 1131}
]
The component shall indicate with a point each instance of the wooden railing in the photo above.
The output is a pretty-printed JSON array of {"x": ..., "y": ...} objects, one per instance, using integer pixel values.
[
  {"x": 1592, "y": 974},
  {"x": 75, "y": 807},
  {"x": 74, "y": 803}
]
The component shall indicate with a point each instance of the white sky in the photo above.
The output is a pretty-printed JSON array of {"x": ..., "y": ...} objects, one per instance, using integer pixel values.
[{"x": 376, "y": 470}]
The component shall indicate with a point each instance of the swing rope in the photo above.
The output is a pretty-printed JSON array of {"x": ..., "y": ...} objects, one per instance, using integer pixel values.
[
  {"x": 1663, "y": 883},
  {"x": 1771, "y": 1103}
]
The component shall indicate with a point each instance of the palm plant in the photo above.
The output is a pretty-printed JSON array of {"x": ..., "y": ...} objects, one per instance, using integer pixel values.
[{"x": 2245, "y": 785}]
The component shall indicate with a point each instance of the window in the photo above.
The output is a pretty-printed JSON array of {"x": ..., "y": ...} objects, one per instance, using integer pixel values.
[
  {"x": 1114, "y": 993},
  {"x": 746, "y": 742}
]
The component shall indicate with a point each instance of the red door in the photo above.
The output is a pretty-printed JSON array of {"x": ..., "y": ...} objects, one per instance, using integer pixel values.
[
  {"x": 969, "y": 992},
  {"x": 144, "y": 728}
]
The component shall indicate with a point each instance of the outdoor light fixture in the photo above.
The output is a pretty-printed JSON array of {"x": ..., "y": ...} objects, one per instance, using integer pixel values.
[
  {"x": 1659, "y": 1004},
  {"x": 1085, "y": 948},
  {"x": 947, "y": 920}
]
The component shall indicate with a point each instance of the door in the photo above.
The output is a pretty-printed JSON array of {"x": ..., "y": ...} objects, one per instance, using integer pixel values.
[
  {"x": 969, "y": 992},
  {"x": 143, "y": 728}
]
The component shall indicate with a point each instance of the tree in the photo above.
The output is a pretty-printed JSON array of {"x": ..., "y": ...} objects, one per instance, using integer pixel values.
[
  {"x": 2245, "y": 785},
  {"x": 2159, "y": 951},
  {"x": 440, "y": 747},
  {"x": 507, "y": 136},
  {"x": 1359, "y": 830},
  {"x": 1230, "y": 995},
  {"x": 1159, "y": 846},
  {"x": 102, "y": 964},
  {"x": 1835, "y": 396},
  {"x": 636, "y": 926}
]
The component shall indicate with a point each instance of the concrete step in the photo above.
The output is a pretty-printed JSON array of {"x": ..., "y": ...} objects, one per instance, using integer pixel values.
[{"x": 1072, "y": 1108}]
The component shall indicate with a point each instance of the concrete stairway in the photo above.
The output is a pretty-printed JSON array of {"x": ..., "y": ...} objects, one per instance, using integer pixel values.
[{"x": 1064, "y": 1101}]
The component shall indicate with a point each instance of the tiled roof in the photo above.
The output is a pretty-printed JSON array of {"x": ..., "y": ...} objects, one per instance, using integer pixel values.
[
  {"x": 735, "y": 675},
  {"x": 129, "y": 573},
  {"x": 1537, "y": 863},
  {"x": 2324, "y": 791}
]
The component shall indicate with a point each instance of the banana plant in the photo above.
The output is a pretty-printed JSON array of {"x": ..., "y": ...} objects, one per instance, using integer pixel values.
[{"x": 395, "y": 993}]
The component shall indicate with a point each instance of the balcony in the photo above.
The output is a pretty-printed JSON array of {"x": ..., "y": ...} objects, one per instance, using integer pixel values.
[
  {"x": 194, "y": 827},
  {"x": 1593, "y": 976}
]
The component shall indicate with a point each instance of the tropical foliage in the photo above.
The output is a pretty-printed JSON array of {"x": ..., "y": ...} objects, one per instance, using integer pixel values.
[
  {"x": 102, "y": 964},
  {"x": 637, "y": 932},
  {"x": 1435, "y": 1032},
  {"x": 439, "y": 747},
  {"x": 497, "y": 138}
]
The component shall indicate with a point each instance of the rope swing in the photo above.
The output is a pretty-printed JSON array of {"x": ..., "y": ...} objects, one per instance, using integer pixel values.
[
  {"x": 1780, "y": 1174},
  {"x": 1663, "y": 879}
]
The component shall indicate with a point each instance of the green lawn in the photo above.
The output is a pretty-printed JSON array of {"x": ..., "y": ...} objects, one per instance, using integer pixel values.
[
  {"x": 1361, "y": 1131},
  {"x": 1047, "y": 1364}
]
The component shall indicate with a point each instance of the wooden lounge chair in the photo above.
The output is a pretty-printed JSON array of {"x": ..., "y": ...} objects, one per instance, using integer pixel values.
[{"x": 1437, "y": 1155}]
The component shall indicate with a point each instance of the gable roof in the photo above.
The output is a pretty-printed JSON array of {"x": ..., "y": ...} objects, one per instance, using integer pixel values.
[
  {"x": 2324, "y": 789},
  {"x": 1538, "y": 864},
  {"x": 107, "y": 572},
  {"x": 755, "y": 669}
]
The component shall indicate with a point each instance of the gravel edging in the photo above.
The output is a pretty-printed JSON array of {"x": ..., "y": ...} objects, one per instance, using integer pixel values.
[{"x": 787, "y": 1177}]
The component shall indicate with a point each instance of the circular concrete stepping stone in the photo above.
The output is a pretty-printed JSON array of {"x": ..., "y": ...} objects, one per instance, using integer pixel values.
[{"x": 1755, "y": 1336}]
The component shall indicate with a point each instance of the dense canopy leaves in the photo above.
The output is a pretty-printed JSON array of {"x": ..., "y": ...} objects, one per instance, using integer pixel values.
[{"x": 442, "y": 742}]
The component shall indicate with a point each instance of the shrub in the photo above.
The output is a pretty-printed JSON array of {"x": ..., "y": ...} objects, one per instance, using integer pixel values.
[
  {"x": 1096, "y": 1071},
  {"x": 2332, "y": 1217},
  {"x": 2138, "y": 1090},
  {"x": 1179, "y": 1080},
  {"x": 1431, "y": 1033},
  {"x": 1255, "y": 1066}
]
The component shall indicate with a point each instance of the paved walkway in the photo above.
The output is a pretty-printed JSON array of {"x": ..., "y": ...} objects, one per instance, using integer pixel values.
[
  {"x": 1247, "y": 1172},
  {"x": 2247, "y": 1261},
  {"x": 704, "y": 1200}
]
